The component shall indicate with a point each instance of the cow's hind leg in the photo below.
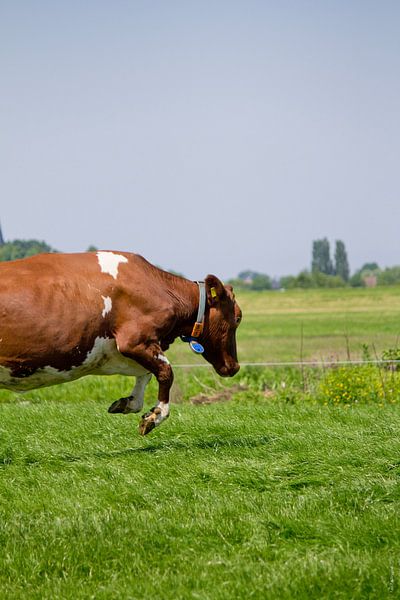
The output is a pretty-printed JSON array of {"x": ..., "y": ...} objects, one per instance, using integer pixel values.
[{"x": 134, "y": 402}]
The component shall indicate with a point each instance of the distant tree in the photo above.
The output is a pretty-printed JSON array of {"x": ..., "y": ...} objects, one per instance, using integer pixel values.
[
  {"x": 304, "y": 280},
  {"x": 247, "y": 275},
  {"x": 22, "y": 248},
  {"x": 252, "y": 280},
  {"x": 371, "y": 267},
  {"x": 321, "y": 259},
  {"x": 238, "y": 283},
  {"x": 92, "y": 249},
  {"x": 341, "y": 262},
  {"x": 321, "y": 280},
  {"x": 389, "y": 276},
  {"x": 288, "y": 282},
  {"x": 261, "y": 282},
  {"x": 356, "y": 279}
]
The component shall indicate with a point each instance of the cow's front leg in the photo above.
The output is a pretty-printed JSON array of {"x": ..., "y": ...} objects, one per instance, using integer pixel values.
[
  {"x": 134, "y": 402},
  {"x": 151, "y": 357},
  {"x": 154, "y": 417},
  {"x": 160, "y": 412}
]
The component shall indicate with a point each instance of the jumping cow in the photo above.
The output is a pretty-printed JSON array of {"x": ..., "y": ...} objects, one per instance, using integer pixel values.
[{"x": 63, "y": 316}]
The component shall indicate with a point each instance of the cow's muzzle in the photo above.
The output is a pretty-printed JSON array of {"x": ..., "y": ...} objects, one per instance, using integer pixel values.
[{"x": 228, "y": 370}]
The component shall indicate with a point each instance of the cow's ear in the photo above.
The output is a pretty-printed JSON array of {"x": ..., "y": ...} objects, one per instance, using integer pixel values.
[{"x": 215, "y": 289}]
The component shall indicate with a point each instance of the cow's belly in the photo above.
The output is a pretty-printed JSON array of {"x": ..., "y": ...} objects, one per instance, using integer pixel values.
[{"x": 103, "y": 359}]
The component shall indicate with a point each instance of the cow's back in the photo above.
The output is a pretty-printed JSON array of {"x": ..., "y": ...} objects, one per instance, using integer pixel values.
[{"x": 57, "y": 315}]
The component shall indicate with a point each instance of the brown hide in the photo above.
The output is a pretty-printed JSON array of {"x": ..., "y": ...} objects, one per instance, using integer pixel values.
[{"x": 54, "y": 307}]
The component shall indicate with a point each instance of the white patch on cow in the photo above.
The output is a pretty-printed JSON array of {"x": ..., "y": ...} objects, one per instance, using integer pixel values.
[
  {"x": 107, "y": 305},
  {"x": 164, "y": 413},
  {"x": 163, "y": 359},
  {"x": 109, "y": 262},
  {"x": 102, "y": 359}
]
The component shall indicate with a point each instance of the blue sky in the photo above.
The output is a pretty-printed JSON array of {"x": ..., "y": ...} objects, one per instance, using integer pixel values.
[{"x": 207, "y": 136}]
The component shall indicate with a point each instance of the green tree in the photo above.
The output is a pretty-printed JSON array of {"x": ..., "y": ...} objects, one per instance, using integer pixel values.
[
  {"x": 247, "y": 275},
  {"x": 238, "y": 283},
  {"x": 22, "y": 248},
  {"x": 389, "y": 276},
  {"x": 341, "y": 262},
  {"x": 327, "y": 281},
  {"x": 356, "y": 279},
  {"x": 371, "y": 266},
  {"x": 252, "y": 280},
  {"x": 288, "y": 282},
  {"x": 304, "y": 280},
  {"x": 321, "y": 259},
  {"x": 261, "y": 282}
]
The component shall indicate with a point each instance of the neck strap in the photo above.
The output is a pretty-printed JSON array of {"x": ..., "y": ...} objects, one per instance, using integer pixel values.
[{"x": 198, "y": 326}]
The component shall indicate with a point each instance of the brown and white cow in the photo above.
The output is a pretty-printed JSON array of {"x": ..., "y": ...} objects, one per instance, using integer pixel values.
[{"x": 63, "y": 316}]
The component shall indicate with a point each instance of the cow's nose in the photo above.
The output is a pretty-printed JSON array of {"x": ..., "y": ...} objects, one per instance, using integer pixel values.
[
  {"x": 229, "y": 370},
  {"x": 235, "y": 369}
]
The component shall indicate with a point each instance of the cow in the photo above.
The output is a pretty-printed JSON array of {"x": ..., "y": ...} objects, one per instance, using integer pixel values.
[{"x": 63, "y": 316}]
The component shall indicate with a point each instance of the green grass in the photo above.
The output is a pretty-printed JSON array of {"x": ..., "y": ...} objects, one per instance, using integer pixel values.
[
  {"x": 237, "y": 500},
  {"x": 317, "y": 324},
  {"x": 284, "y": 496}
]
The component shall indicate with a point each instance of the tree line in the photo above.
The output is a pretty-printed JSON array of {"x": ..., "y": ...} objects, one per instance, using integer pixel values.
[
  {"x": 23, "y": 248},
  {"x": 326, "y": 271},
  {"x": 16, "y": 249}
]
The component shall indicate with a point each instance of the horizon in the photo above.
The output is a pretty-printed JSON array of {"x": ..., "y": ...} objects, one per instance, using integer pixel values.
[{"x": 273, "y": 277}]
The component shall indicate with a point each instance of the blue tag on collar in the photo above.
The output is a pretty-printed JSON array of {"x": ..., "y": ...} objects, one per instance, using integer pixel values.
[{"x": 196, "y": 347}]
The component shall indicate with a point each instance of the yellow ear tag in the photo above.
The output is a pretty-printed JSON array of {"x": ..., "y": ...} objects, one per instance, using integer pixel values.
[{"x": 213, "y": 293}]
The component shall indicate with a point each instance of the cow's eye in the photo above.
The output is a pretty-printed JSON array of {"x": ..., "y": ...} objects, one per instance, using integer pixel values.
[{"x": 238, "y": 319}]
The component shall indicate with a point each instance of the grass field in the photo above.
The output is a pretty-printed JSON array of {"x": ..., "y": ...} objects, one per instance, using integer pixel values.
[
  {"x": 330, "y": 321},
  {"x": 263, "y": 496}
]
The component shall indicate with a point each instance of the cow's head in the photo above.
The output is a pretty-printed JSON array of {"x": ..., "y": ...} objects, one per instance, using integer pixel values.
[{"x": 221, "y": 321}]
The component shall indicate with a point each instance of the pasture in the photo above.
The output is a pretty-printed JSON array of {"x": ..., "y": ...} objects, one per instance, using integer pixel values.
[{"x": 266, "y": 495}]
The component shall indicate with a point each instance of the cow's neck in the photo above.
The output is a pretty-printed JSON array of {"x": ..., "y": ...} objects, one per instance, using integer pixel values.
[
  {"x": 185, "y": 295},
  {"x": 189, "y": 308}
]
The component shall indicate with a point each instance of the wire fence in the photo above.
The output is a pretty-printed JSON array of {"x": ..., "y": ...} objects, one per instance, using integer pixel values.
[{"x": 300, "y": 364}]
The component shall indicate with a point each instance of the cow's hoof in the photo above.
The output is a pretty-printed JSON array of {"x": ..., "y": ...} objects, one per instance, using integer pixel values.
[
  {"x": 119, "y": 406},
  {"x": 149, "y": 421}
]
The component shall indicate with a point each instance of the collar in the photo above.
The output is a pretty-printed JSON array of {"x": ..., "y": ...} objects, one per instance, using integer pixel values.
[{"x": 199, "y": 324}]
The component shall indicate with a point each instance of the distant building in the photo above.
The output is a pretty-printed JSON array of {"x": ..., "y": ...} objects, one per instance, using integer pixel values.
[
  {"x": 276, "y": 284},
  {"x": 370, "y": 281}
]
